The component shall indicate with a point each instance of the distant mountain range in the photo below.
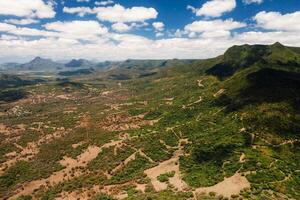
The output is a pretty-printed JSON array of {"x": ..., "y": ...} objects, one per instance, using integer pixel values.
[
  {"x": 48, "y": 65},
  {"x": 39, "y": 64},
  {"x": 80, "y": 63}
]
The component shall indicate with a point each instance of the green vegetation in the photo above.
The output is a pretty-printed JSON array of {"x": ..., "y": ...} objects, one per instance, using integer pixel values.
[
  {"x": 165, "y": 177},
  {"x": 132, "y": 170},
  {"x": 102, "y": 197},
  {"x": 239, "y": 113}
]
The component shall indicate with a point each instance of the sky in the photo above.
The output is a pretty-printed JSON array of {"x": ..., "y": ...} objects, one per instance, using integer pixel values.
[{"x": 141, "y": 29}]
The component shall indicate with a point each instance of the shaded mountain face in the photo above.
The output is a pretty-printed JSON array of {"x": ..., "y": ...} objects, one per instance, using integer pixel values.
[
  {"x": 11, "y": 87},
  {"x": 78, "y": 72},
  {"x": 79, "y": 63},
  {"x": 264, "y": 83},
  {"x": 41, "y": 64},
  {"x": 12, "y": 81},
  {"x": 245, "y": 56}
]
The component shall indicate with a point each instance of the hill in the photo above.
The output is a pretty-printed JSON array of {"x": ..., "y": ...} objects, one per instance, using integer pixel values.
[
  {"x": 221, "y": 128},
  {"x": 79, "y": 63},
  {"x": 240, "y": 57},
  {"x": 41, "y": 64}
]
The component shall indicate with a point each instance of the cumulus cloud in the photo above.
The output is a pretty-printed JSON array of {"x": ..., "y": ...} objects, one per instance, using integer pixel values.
[
  {"x": 23, "y": 31},
  {"x": 27, "y": 8},
  {"x": 126, "y": 46},
  {"x": 81, "y": 11},
  {"x": 213, "y": 25},
  {"x": 21, "y": 21},
  {"x": 118, "y": 13},
  {"x": 215, "y": 8},
  {"x": 158, "y": 26},
  {"x": 92, "y": 40},
  {"x": 4, "y": 27},
  {"x": 84, "y": 30},
  {"x": 121, "y": 27},
  {"x": 192, "y": 8},
  {"x": 159, "y": 34},
  {"x": 253, "y": 1},
  {"x": 104, "y": 3},
  {"x": 278, "y": 21}
]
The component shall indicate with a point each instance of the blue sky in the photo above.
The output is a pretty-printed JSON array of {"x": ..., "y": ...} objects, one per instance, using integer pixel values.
[{"x": 141, "y": 29}]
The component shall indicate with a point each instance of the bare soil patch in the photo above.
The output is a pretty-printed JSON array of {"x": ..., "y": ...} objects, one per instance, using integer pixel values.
[
  {"x": 168, "y": 166},
  {"x": 123, "y": 122},
  {"x": 230, "y": 186}
]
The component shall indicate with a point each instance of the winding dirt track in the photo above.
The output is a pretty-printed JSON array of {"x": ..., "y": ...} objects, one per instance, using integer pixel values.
[{"x": 82, "y": 160}]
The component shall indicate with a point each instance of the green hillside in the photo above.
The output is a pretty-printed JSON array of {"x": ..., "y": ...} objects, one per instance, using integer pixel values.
[{"x": 221, "y": 128}]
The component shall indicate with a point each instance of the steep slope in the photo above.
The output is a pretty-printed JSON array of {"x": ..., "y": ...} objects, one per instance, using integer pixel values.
[{"x": 240, "y": 57}]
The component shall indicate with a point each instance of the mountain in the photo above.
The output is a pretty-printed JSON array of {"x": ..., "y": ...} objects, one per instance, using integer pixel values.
[
  {"x": 79, "y": 63},
  {"x": 220, "y": 128},
  {"x": 244, "y": 56},
  {"x": 13, "y": 81},
  {"x": 41, "y": 64}
]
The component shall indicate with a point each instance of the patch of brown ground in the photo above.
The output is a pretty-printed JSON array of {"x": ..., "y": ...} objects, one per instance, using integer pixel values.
[
  {"x": 165, "y": 167},
  {"x": 63, "y": 97},
  {"x": 199, "y": 83},
  {"x": 8, "y": 131},
  {"x": 113, "y": 190},
  {"x": 31, "y": 149},
  {"x": 230, "y": 186},
  {"x": 242, "y": 158},
  {"x": 72, "y": 169},
  {"x": 4, "y": 129},
  {"x": 219, "y": 93},
  {"x": 78, "y": 144},
  {"x": 191, "y": 104},
  {"x": 123, "y": 122}
]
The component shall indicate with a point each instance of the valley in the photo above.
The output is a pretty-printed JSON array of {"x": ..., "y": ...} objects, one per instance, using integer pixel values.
[{"x": 220, "y": 128}]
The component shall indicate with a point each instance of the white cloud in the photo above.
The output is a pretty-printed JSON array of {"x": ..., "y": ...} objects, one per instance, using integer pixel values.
[
  {"x": 159, "y": 34},
  {"x": 200, "y": 39},
  {"x": 215, "y": 8},
  {"x": 216, "y": 34},
  {"x": 81, "y": 11},
  {"x": 118, "y": 13},
  {"x": 104, "y": 3},
  {"x": 253, "y": 1},
  {"x": 27, "y": 8},
  {"x": 4, "y": 27},
  {"x": 278, "y": 21},
  {"x": 83, "y": 0},
  {"x": 213, "y": 25},
  {"x": 21, "y": 21},
  {"x": 84, "y": 30},
  {"x": 12, "y": 29},
  {"x": 8, "y": 37},
  {"x": 124, "y": 46},
  {"x": 192, "y": 8},
  {"x": 121, "y": 27},
  {"x": 158, "y": 26}
]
